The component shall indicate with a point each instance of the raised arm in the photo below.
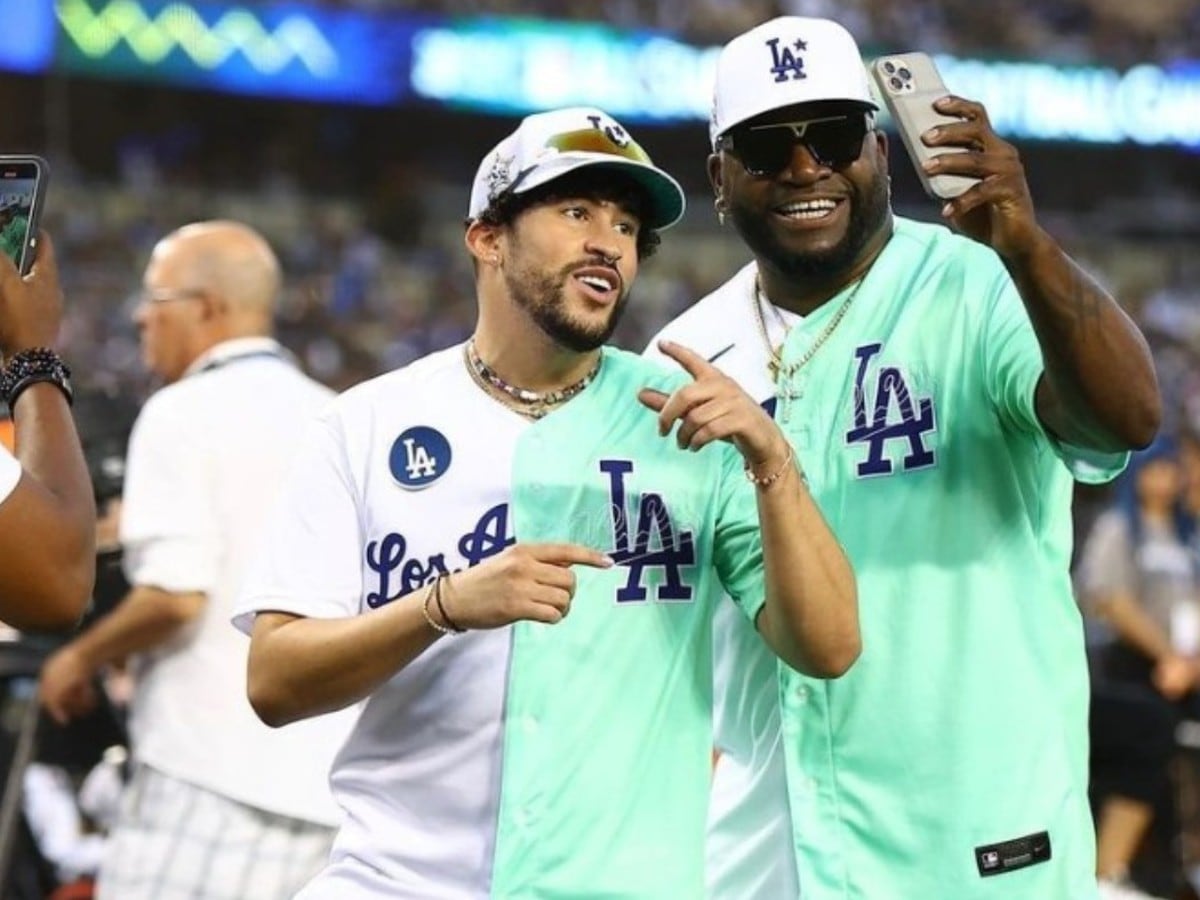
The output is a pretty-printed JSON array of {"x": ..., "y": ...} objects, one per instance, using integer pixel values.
[
  {"x": 810, "y": 618},
  {"x": 47, "y": 523},
  {"x": 1099, "y": 389}
]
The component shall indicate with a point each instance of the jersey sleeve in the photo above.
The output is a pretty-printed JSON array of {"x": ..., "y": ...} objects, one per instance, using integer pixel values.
[
  {"x": 737, "y": 554},
  {"x": 10, "y": 473},
  {"x": 1013, "y": 365},
  {"x": 308, "y": 562},
  {"x": 169, "y": 526}
]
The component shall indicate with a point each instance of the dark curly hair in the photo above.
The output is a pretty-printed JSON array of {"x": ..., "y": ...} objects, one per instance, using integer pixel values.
[{"x": 590, "y": 183}]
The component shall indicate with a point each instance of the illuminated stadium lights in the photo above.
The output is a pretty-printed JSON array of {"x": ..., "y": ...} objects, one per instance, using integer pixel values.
[
  {"x": 27, "y": 38},
  {"x": 523, "y": 66},
  {"x": 1145, "y": 105},
  {"x": 179, "y": 26},
  {"x": 519, "y": 66}
]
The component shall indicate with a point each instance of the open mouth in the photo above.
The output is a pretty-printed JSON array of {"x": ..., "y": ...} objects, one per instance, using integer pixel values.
[{"x": 600, "y": 283}]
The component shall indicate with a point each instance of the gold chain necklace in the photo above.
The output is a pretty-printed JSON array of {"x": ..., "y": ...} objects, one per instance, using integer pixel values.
[
  {"x": 530, "y": 404},
  {"x": 775, "y": 360}
]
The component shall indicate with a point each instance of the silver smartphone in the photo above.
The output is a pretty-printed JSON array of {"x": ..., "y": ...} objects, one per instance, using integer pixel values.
[
  {"x": 908, "y": 83},
  {"x": 22, "y": 189}
]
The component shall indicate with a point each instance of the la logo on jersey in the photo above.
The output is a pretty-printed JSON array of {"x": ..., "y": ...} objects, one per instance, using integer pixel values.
[
  {"x": 786, "y": 61},
  {"x": 893, "y": 415},
  {"x": 419, "y": 457},
  {"x": 674, "y": 547}
]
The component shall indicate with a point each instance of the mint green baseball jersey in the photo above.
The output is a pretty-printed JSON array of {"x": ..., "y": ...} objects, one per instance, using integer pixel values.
[
  {"x": 617, "y": 779},
  {"x": 532, "y": 761},
  {"x": 951, "y": 761}
]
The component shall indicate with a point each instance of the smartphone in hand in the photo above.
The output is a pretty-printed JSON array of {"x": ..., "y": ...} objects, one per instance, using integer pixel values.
[
  {"x": 908, "y": 83},
  {"x": 22, "y": 189}
]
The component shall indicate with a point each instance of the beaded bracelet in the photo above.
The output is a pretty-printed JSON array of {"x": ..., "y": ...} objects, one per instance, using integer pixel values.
[
  {"x": 764, "y": 481},
  {"x": 435, "y": 594},
  {"x": 29, "y": 367}
]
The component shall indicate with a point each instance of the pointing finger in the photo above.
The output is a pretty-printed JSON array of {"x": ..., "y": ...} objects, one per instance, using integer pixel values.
[
  {"x": 693, "y": 363},
  {"x": 570, "y": 555}
]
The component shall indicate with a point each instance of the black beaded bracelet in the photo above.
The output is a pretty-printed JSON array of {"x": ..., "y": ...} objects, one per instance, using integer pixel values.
[{"x": 29, "y": 367}]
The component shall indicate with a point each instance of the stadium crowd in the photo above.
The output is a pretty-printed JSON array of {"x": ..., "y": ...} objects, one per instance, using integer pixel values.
[
  {"x": 375, "y": 278},
  {"x": 1108, "y": 31}
]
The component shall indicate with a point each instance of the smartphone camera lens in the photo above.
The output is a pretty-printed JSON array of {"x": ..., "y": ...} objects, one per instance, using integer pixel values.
[
  {"x": 904, "y": 73},
  {"x": 896, "y": 83},
  {"x": 890, "y": 68}
]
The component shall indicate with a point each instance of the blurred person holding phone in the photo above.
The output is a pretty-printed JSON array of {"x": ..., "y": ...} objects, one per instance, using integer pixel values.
[
  {"x": 506, "y": 549},
  {"x": 942, "y": 390},
  {"x": 47, "y": 511},
  {"x": 218, "y": 805}
]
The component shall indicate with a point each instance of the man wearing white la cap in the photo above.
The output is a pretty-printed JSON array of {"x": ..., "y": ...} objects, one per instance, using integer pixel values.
[
  {"x": 940, "y": 390},
  {"x": 445, "y": 518}
]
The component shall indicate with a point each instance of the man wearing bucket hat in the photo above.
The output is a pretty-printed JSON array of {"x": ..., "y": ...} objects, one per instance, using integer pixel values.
[
  {"x": 940, "y": 390},
  {"x": 445, "y": 518}
]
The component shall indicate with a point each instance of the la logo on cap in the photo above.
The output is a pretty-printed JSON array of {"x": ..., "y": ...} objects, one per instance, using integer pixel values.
[{"x": 786, "y": 61}]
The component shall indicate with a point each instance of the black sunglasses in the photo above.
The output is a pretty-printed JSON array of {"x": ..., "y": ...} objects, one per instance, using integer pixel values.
[{"x": 765, "y": 150}]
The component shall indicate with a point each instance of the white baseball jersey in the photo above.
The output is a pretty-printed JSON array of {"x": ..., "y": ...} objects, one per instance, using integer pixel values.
[{"x": 530, "y": 761}]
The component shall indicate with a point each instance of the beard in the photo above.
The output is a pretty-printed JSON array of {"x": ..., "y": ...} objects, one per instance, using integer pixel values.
[
  {"x": 543, "y": 297},
  {"x": 868, "y": 211}
]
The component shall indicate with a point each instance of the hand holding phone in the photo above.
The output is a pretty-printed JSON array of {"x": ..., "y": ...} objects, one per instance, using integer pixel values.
[
  {"x": 908, "y": 84},
  {"x": 22, "y": 189},
  {"x": 31, "y": 308}
]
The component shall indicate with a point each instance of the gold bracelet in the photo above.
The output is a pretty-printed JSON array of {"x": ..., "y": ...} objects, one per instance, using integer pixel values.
[
  {"x": 764, "y": 481},
  {"x": 437, "y": 598},
  {"x": 435, "y": 593}
]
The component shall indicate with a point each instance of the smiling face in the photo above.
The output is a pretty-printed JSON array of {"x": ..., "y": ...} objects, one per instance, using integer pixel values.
[{"x": 803, "y": 194}]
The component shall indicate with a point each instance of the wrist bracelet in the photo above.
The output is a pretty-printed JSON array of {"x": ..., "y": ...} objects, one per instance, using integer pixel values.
[
  {"x": 29, "y": 367},
  {"x": 435, "y": 593},
  {"x": 437, "y": 598},
  {"x": 763, "y": 481}
]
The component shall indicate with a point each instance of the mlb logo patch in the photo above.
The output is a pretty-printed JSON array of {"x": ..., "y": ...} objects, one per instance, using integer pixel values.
[{"x": 419, "y": 457}]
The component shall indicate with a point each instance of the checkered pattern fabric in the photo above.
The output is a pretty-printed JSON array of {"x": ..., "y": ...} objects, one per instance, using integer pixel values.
[{"x": 175, "y": 840}]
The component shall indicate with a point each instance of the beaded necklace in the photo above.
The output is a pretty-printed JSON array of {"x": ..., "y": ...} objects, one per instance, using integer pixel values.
[{"x": 531, "y": 404}]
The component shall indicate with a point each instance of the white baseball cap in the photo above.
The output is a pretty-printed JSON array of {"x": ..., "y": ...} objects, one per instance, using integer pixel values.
[
  {"x": 788, "y": 60},
  {"x": 548, "y": 145}
]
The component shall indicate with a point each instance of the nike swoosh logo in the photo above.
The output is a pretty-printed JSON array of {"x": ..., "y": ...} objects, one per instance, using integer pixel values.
[{"x": 720, "y": 353}]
